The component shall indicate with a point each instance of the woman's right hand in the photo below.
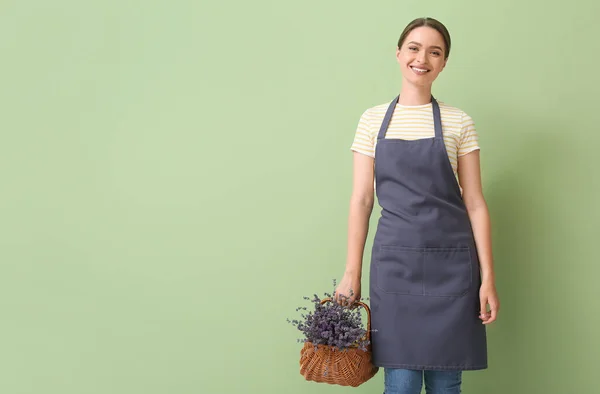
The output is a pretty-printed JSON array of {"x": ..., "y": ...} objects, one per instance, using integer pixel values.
[{"x": 348, "y": 291}]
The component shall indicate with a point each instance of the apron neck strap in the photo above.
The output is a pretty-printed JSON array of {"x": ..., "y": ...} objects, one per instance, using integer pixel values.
[{"x": 437, "y": 118}]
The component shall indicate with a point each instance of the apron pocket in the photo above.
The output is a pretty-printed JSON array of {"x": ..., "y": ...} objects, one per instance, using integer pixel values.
[
  {"x": 447, "y": 271},
  {"x": 400, "y": 269}
]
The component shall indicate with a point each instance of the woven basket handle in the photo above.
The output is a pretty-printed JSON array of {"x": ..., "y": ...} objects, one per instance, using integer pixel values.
[{"x": 359, "y": 303}]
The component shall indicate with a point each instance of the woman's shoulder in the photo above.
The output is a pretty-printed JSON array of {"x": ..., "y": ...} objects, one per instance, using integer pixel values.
[
  {"x": 450, "y": 109},
  {"x": 455, "y": 120},
  {"x": 376, "y": 110},
  {"x": 455, "y": 114}
]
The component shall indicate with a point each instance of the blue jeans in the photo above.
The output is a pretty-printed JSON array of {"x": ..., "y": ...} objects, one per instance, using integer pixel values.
[{"x": 408, "y": 381}]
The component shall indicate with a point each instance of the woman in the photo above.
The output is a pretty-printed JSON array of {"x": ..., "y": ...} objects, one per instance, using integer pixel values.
[{"x": 431, "y": 273}]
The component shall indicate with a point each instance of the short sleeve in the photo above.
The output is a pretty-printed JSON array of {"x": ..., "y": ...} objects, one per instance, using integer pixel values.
[
  {"x": 364, "y": 141},
  {"x": 469, "y": 140}
]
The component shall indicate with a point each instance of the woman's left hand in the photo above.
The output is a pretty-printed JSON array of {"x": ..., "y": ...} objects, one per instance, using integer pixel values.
[{"x": 488, "y": 295}]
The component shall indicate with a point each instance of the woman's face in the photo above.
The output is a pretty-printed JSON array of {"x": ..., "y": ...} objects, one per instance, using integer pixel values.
[{"x": 423, "y": 49}]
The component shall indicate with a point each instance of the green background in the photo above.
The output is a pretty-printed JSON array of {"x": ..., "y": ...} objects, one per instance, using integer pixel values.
[{"x": 176, "y": 177}]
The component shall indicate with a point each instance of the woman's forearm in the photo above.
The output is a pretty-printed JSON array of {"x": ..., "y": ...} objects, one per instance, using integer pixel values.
[
  {"x": 480, "y": 221},
  {"x": 358, "y": 228}
]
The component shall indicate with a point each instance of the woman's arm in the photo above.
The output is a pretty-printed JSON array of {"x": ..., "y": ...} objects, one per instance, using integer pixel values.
[
  {"x": 469, "y": 174},
  {"x": 470, "y": 181},
  {"x": 361, "y": 206}
]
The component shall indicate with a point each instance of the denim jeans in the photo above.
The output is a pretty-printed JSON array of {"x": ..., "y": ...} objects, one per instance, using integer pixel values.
[{"x": 408, "y": 381}]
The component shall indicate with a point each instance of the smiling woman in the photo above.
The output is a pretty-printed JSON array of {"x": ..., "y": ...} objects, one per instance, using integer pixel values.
[
  {"x": 423, "y": 49},
  {"x": 431, "y": 275}
]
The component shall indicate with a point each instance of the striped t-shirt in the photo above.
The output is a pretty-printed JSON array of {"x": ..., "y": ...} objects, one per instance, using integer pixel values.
[{"x": 412, "y": 122}]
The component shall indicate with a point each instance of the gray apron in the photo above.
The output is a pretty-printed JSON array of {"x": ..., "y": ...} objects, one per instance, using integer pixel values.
[{"x": 424, "y": 273}]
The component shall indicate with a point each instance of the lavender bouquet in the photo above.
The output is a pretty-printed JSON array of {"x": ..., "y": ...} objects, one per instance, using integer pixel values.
[{"x": 332, "y": 324}]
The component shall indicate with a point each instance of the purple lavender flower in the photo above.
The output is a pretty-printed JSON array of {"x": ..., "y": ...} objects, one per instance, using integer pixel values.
[{"x": 332, "y": 324}]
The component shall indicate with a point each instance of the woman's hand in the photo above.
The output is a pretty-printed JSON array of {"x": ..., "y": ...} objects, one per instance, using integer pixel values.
[
  {"x": 348, "y": 291},
  {"x": 488, "y": 295}
]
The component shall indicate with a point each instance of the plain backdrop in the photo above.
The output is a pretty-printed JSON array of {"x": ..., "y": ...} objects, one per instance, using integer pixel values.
[{"x": 175, "y": 177}]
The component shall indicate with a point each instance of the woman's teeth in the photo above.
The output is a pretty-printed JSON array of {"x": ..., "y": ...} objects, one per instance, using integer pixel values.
[{"x": 419, "y": 70}]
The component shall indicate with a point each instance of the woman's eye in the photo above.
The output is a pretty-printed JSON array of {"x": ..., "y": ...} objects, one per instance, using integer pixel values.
[
  {"x": 411, "y": 48},
  {"x": 436, "y": 53}
]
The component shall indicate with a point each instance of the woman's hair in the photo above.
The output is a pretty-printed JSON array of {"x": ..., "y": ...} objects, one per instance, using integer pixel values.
[{"x": 430, "y": 22}]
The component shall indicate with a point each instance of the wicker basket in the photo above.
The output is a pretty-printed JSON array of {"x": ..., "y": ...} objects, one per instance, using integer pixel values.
[{"x": 328, "y": 364}]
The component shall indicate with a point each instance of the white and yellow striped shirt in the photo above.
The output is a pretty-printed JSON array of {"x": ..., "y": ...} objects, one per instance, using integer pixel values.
[{"x": 414, "y": 122}]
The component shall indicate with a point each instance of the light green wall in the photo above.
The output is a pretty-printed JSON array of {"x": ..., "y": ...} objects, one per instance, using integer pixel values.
[{"x": 176, "y": 175}]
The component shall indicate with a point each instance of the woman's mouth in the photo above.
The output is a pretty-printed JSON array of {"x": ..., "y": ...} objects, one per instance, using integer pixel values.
[{"x": 419, "y": 71}]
